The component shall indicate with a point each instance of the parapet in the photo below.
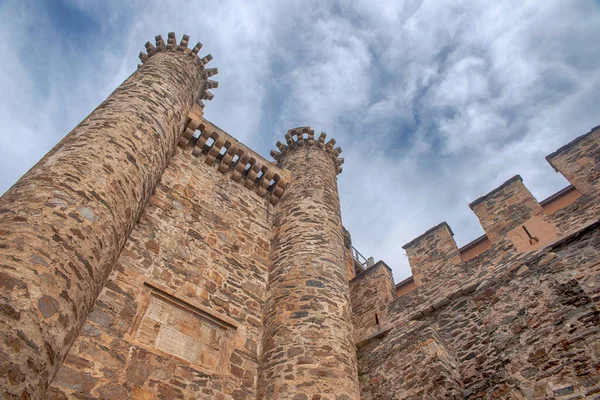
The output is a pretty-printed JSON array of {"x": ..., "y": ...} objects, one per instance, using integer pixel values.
[
  {"x": 172, "y": 45},
  {"x": 513, "y": 220},
  {"x": 243, "y": 164},
  {"x": 303, "y": 137},
  {"x": 511, "y": 212},
  {"x": 579, "y": 161},
  {"x": 433, "y": 254},
  {"x": 370, "y": 293}
]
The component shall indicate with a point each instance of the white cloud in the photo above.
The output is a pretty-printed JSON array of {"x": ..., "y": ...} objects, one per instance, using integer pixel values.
[{"x": 434, "y": 102}]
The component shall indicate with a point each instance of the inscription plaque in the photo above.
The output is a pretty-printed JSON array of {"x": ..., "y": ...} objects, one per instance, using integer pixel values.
[{"x": 182, "y": 330}]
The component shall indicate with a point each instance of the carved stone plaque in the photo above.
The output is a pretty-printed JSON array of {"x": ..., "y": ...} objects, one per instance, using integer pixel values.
[{"x": 177, "y": 328}]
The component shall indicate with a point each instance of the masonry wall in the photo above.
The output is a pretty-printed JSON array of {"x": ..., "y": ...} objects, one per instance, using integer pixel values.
[
  {"x": 424, "y": 368},
  {"x": 518, "y": 320},
  {"x": 370, "y": 293},
  {"x": 181, "y": 315},
  {"x": 579, "y": 163},
  {"x": 434, "y": 257},
  {"x": 530, "y": 330},
  {"x": 514, "y": 223}
]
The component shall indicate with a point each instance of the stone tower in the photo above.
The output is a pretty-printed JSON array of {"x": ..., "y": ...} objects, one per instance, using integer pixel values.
[
  {"x": 55, "y": 262},
  {"x": 307, "y": 342}
]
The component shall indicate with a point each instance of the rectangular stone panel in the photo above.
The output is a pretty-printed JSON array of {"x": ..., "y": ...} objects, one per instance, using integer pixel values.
[{"x": 175, "y": 327}]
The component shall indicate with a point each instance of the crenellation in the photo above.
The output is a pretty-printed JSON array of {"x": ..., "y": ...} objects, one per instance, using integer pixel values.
[
  {"x": 308, "y": 286},
  {"x": 75, "y": 211},
  {"x": 197, "y": 48},
  {"x": 510, "y": 212},
  {"x": 182, "y": 47},
  {"x": 514, "y": 221},
  {"x": 304, "y": 136},
  {"x": 496, "y": 327},
  {"x": 578, "y": 162},
  {"x": 160, "y": 43},
  {"x": 171, "y": 41},
  {"x": 371, "y": 292},
  {"x": 433, "y": 255},
  {"x": 514, "y": 312}
]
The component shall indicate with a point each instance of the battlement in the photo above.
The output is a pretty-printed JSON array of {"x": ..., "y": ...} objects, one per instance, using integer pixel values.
[
  {"x": 371, "y": 292},
  {"x": 512, "y": 219},
  {"x": 305, "y": 136},
  {"x": 579, "y": 161},
  {"x": 171, "y": 46},
  {"x": 433, "y": 254},
  {"x": 243, "y": 164},
  {"x": 495, "y": 299}
]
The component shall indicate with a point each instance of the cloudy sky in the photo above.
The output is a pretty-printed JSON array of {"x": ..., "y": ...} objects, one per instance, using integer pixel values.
[{"x": 434, "y": 103}]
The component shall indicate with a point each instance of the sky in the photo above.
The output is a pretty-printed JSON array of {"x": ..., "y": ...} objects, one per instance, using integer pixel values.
[{"x": 434, "y": 103}]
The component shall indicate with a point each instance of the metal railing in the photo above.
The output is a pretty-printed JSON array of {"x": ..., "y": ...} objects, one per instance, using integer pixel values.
[{"x": 361, "y": 261}]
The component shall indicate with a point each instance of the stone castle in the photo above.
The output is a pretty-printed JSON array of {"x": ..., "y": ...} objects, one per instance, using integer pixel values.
[{"x": 151, "y": 255}]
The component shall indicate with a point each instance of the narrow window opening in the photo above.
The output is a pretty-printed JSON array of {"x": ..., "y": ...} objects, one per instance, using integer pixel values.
[{"x": 377, "y": 320}]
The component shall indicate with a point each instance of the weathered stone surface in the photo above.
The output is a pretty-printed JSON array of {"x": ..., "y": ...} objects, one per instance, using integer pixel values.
[
  {"x": 434, "y": 256},
  {"x": 519, "y": 320},
  {"x": 63, "y": 224},
  {"x": 527, "y": 333},
  {"x": 371, "y": 293},
  {"x": 307, "y": 342},
  {"x": 235, "y": 159},
  {"x": 184, "y": 321}
]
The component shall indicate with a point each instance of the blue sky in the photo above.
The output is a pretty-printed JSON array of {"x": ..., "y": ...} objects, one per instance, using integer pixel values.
[{"x": 434, "y": 103}]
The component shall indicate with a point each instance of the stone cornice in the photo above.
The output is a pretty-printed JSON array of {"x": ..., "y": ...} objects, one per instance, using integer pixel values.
[{"x": 242, "y": 164}]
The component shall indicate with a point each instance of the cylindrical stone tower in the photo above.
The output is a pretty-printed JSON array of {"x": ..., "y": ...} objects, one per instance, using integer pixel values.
[
  {"x": 63, "y": 224},
  {"x": 308, "y": 350}
]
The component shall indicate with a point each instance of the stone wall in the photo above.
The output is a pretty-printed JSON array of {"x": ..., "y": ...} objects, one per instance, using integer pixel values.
[
  {"x": 579, "y": 162},
  {"x": 514, "y": 223},
  {"x": 529, "y": 330},
  {"x": 228, "y": 276},
  {"x": 433, "y": 256},
  {"x": 511, "y": 213},
  {"x": 181, "y": 315},
  {"x": 519, "y": 320},
  {"x": 371, "y": 292},
  {"x": 424, "y": 368}
]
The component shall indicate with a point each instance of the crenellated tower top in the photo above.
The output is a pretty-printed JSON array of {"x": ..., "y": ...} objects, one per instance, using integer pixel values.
[
  {"x": 304, "y": 136},
  {"x": 171, "y": 46},
  {"x": 308, "y": 291}
]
